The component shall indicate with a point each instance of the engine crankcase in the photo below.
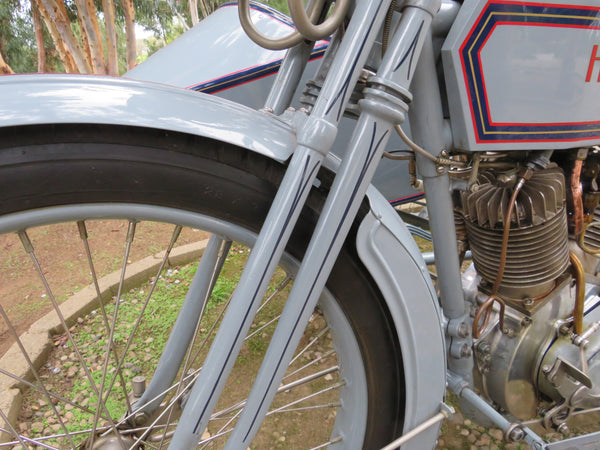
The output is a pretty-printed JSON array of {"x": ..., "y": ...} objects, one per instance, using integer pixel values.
[{"x": 534, "y": 357}]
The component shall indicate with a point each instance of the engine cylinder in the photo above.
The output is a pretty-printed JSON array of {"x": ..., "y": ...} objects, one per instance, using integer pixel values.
[{"x": 538, "y": 250}]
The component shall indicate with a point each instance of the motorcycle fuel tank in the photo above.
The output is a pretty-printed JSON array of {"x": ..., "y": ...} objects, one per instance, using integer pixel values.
[
  {"x": 524, "y": 75},
  {"x": 216, "y": 57}
]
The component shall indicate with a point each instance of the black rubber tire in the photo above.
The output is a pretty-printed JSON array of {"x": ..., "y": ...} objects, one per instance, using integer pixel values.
[{"x": 69, "y": 164}]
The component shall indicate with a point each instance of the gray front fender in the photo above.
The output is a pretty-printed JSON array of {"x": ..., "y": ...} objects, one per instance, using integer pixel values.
[
  {"x": 394, "y": 260},
  {"x": 47, "y": 99}
]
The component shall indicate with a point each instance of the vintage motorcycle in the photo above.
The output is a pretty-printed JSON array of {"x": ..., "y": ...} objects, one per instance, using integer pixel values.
[{"x": 334, "y": 321}]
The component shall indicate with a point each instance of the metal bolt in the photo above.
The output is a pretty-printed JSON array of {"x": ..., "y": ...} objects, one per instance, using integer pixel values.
[
  {"x": 526, "y": 321},
  {"x": 546, "y": 368},
  {"x": 484, "y": 347},
  {"x": 440, "y": 169},
  {"x": 465, "y": 351},
  {"x": 516, "y": 435},
  {"x": 508, "y": 332},
  {"x": 140, "y": 418},
  {"x": 463, "y": 330},
  {"x": 139, "y": 385},
  {"x": 528, "y": 301},
  {"x": 563, "y": 428}
]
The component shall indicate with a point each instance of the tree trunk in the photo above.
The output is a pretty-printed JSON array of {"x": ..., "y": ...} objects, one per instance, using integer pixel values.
[
  {"x": 204, "y": 7},
  {"x": 63, "y": 27},
  {"x": 130, "y": 32},
  {"x": 85, "y": 43},
  {"x": 112, "y": 63},
  {"x": 39, "y": 38},
  {"x": 65, "y": 56},
  {"x": 90, "y": 32},
  {"x": 193, "y": 5},
  {"x": 4, "y": 68}
]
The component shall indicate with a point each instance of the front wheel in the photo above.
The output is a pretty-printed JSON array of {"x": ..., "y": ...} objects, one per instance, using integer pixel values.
[{"x": 89, "y": 206}]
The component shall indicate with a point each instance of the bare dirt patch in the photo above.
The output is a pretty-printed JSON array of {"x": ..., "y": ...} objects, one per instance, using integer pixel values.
[{"x": 62, "y": 257}]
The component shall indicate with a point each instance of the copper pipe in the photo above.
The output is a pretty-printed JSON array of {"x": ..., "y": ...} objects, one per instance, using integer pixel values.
[
  {"x": 486, "y": 309},
  {"x": 487, "y": 305},
  {"x": 581, "y": 241},
  {"x": 578, "y": 274},
  {"x": 577, "y": 194},
  {"x": 505, "y": 234}
]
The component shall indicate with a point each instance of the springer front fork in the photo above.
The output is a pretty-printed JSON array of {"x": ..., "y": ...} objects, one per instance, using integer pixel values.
[{"x": 384, "y": 105}]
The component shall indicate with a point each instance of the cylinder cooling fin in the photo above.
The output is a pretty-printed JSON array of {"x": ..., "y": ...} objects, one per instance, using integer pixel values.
[{"x": 538, "y": 250}]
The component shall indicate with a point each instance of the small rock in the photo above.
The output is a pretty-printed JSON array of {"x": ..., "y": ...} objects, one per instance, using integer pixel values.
[
  {"x": 79, "y": 320},
  {"x": 497, "y": 434},
  {"x": 464, "y": 432},
  {"x": 205, "y": 435}
]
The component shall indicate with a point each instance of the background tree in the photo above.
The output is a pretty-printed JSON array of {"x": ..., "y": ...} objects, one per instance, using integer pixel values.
[{"x": 92, "y": 36}]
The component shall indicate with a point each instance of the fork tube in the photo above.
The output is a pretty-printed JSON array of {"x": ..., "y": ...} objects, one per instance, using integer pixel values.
[
  {"x": 288, "y": 77},
  {"x": 427, "y": 125},
  {"x": 380, "y": 111},
  {"x": 191, "y": 312},
  {"x": 315, "y": 138}
]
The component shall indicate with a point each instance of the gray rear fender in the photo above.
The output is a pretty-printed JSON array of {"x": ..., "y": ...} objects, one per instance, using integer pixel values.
[{"x": 384, "y": 244}]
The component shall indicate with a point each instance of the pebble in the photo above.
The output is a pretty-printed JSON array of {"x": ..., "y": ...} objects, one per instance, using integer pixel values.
[{"x": 497, "y": 434}]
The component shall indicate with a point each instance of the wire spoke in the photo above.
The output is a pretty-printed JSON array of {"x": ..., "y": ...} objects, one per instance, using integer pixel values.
[
  {"x": 312, "y": 342},
  {"x": 51, "y": 394},
  {"x": 312, "y": 362},
  {"x": 28, "y": 246},
  {"x": 110, "y": 343},
  {"x": 300, "y": 400},
  {"x": 326, "y": 444},
  {"x": 174, "y": 237},
  {"x": 12, "y": 429}
]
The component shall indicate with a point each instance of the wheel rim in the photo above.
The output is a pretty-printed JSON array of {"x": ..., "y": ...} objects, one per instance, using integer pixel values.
[{"x": 348, "y": 415}]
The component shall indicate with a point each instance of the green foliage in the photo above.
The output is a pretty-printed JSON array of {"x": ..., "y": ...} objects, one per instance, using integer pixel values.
[
  {"x": 17, "y": 40},
  {"x": 279, "y": 5},
  {"x": 165, "y": 19}
]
